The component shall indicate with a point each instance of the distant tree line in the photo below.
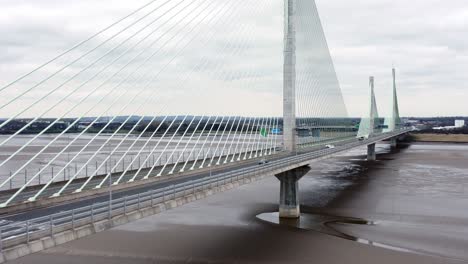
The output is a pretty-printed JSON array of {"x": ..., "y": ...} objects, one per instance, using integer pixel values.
[
  {"x": 26, "y": 127},
  {"x": 148, "y": 125},
  {"x": 205, "y": 125}
]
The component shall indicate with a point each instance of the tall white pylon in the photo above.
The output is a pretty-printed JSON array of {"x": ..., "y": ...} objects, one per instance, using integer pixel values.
[
  {"x": 393, "y": 121},
  {"x": 370, "y": 123},
  {"x": 289, "y": 76}
]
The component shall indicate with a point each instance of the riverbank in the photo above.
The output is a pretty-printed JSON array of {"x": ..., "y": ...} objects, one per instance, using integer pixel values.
[{"x": 443, "y": 138}]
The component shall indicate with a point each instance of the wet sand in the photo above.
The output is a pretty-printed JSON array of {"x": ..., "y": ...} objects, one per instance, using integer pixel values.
[{"x": 416, "y": 196}]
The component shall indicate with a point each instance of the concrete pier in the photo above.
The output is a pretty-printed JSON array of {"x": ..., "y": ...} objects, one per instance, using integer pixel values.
[
  {"x": 371, "y": 155},
  {"x": 289, "y": 192},
  {"x": 393, "y": 142}
]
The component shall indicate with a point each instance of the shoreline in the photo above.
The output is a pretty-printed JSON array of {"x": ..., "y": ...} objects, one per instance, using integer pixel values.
[
  {"x": 434, "y": 142},
  {"x": 438, "y": 138}
]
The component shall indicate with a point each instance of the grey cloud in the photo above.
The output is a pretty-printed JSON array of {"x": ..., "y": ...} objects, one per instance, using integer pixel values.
[{"x": 425, "y": 39}]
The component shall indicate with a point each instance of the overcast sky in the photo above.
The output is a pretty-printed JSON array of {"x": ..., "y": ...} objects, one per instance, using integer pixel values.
[{"x": 425, "y": 39}]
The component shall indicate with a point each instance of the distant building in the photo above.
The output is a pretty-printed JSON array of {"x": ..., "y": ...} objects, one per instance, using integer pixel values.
[
  {"x": 458, "y": 124},
  {"x": 411, "y": 121}
]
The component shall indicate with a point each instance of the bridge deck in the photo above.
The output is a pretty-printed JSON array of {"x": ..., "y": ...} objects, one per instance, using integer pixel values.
[{"x": 277, "y": 163}]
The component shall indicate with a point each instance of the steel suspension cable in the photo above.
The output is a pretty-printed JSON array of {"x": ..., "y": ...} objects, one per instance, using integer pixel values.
[
  {"x": 241, "y": 120},
  {"x": 145, "y": 161},
  {"x": 1, "y": 164},
  {"x": 176, "y": 146},
  {"x": 76, "y": 105},
  {"x": 186, "y": 145},
  {"x": 127, "y": 118},
  {"x": 196, "y": 143},
  {"x": 226, "y": 140},
  {"x": 76, "y": 46},
  {"x": 154, "y": 78},
  {"x": 76, "y": 60},
  {"x": 83, "y": 84}
]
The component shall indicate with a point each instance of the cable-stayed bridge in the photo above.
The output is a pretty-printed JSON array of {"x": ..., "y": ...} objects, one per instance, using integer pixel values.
[{"x": 177, "y": 98}]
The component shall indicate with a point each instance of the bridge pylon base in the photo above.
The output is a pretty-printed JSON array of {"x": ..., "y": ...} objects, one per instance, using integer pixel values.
[
  {"x": 393, "y": 142},
  {"x": 289, "y": 204},
  {"x": 371, "y": 155}
]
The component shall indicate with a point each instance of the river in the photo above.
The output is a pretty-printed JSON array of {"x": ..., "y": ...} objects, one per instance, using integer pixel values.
[{"x": 413, "y": 200}]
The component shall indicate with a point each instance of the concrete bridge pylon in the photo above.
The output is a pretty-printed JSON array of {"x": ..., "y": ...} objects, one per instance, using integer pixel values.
[
  {"x": 393, "y": 121},
  {"x": 370, "y": 123},
  {"x": 289, "y": 76}
]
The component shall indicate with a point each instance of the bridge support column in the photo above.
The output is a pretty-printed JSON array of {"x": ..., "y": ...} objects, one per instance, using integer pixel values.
[
  {"x": 393, "y": 142},
  {"x": 371, "y": 155},
  {"x": 289, "y": 192}
]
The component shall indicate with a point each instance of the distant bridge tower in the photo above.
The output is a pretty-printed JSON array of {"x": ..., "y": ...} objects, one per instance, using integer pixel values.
[
  {"x": 393, "y": 121},
  {"x": 370, "y": 123},
  {"x": 289, "y": 76}
]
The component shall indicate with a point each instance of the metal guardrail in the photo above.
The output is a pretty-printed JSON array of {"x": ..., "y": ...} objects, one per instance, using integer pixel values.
[{"x": 16, "y": 233}]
